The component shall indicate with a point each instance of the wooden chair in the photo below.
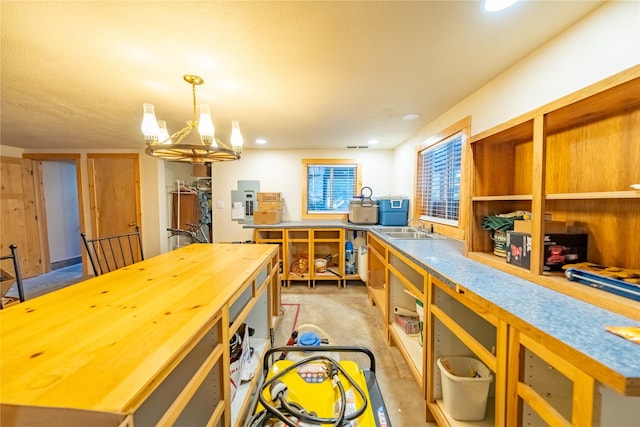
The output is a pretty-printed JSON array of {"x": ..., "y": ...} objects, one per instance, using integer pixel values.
[
  {"x": 18, "y": 276},
  {"x": 113, "y": 252}
]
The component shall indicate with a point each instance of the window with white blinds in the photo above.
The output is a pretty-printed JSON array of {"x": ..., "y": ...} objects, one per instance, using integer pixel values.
[
  {"x": 438, "y": 181},
  {"x": 330, "y": 187}
]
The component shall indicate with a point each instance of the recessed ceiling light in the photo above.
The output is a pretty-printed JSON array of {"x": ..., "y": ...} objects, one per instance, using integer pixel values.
[
  {"x": 261, "y": 141},
  {"x": 496, "y": 5},
  {"x": 411, "y": 116},
  {"x": 372, "y": 141}
]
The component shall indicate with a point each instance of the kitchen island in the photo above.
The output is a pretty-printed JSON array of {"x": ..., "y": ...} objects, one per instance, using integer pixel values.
[{"x": 147, "y": 344}]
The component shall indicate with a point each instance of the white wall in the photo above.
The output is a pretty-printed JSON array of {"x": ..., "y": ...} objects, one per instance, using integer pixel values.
[
  {"x": 61, "y": 204},
  {"x": 281, "y": 171},
  {"x": 604, "y": 43}
]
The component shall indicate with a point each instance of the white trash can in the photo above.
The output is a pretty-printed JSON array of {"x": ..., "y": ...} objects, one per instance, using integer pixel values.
[{"x": 465, "y": 387}]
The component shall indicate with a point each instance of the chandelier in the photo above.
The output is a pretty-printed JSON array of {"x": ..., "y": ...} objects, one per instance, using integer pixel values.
[{"x": 207, "y": 149}]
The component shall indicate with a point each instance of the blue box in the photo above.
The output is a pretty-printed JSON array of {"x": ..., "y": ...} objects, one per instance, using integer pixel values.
[{"x": 393, "y": 211}]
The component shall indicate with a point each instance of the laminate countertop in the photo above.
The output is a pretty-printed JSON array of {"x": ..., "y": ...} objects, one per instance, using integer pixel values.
[{"x": 578, "y": 327}]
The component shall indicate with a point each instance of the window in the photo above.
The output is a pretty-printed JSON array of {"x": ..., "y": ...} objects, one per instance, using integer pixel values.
[
  {"x": 329, "y": 186},
  {"x": 438, "y": 181}
]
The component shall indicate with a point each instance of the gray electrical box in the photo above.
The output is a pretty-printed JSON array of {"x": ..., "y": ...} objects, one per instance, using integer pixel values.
[{"x": 243, "y": 201}]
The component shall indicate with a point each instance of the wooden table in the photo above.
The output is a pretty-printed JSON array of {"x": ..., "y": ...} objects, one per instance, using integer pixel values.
[{"x": 109, "y": 351}]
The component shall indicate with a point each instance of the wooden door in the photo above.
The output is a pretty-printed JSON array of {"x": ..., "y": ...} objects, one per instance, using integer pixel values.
[
  {"x": 19, "y": 223},
  {"x": 114, "y": 191}
]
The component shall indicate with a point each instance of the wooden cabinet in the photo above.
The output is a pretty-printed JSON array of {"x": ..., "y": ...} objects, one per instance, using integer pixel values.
[
  {"x": 275, "y": 237},
  {"x": 576, "y": 159},
  {"x": 545, "y": 388},
  {"x": 298, "y": 264},
  {"x": 299, "y": 247},
  {"x": 328, "y": 244},
  {"x": 378, "y": 277},
  {"x": 151, "y": 342},
  {"x": 407, "y": 284},
  {"x": 458, "y": 326}
]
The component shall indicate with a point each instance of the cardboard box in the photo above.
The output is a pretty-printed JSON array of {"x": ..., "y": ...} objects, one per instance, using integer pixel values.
[
  {"x": 269, "y": 197},
  {"x": 550, "y": 227},
  {"x": 270, "y": 206},
  {"x": 267, "y": 217},
  {"x": 559, "y": 249},
  {"x": 519, "y": 249},
  {"x": 410, "y": 325}
]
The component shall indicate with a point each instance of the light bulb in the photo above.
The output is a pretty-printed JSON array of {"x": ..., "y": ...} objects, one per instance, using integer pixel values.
[
  {"x": 149, "y": 126},
  {"x": 236, "y": 136},
  {"x": 205, "y": 126},
  {"x": 163, "y": 134},
  {"x": 496, "y": 5}
]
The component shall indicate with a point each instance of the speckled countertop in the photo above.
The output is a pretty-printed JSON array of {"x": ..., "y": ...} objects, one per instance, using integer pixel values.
[{"x": 576, "y": 323}]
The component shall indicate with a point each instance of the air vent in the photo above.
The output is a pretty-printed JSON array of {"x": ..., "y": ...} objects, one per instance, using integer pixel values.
[{"x": 357, "y": 146}]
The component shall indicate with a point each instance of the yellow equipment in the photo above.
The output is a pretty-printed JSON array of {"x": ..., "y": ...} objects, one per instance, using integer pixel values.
[{"x": 319, "y": 391}]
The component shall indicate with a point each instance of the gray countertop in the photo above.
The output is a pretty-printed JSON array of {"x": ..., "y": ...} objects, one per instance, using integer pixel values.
[{"x": 576, "y": 323}]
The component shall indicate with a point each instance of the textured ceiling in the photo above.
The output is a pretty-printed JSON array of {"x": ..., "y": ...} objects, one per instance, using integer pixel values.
[{"x": 300, "y": 74}]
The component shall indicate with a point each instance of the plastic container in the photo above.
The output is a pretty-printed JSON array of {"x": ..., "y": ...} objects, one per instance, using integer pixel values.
[
  {"x": 393, "y": 210},
  {"x": 363, "y": 210},
  {"x": 464, "y": 395},
  {"x": 312, "y": 335},
  {"x": 320, "y": 265}
]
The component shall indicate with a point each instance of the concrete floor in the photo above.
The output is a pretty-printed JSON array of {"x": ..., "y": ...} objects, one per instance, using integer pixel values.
[
  {"x": 345, "y": 314},
  {"x": 349, "y": 319}
]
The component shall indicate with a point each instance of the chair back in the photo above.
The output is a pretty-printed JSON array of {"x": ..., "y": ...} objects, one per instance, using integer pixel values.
[
  {"x": 9, "y": 280},
  {"x": 113, "y": 252}
]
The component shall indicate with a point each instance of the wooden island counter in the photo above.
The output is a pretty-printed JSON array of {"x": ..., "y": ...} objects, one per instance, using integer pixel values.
[{"x": 144, "y": 345}]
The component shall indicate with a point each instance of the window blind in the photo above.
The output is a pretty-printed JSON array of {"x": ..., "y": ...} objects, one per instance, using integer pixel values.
[
  {"x": 330, "y": 188},
  {"x": 438, "y": 181}
]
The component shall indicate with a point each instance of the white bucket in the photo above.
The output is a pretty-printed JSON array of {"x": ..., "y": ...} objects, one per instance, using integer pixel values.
[
  {"x": 463, "y": 394},
  {"x": 320, "y": 265}
]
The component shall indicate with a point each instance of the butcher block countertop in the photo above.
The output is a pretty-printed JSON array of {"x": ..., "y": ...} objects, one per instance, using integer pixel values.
[{"x": 100, "y": 345}]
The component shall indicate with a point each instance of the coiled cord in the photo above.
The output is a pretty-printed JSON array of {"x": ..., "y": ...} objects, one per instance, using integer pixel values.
[{"x": 288, "y": 410}]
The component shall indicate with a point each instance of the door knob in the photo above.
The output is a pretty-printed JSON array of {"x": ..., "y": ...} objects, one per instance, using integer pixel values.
[{"x": 132, "y": 224}]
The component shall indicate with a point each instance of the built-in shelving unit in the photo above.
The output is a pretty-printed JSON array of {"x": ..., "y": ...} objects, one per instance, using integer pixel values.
[
  {"x": 566, "y": 158},
  {"x": 328, "y": 245},
  {"x": 407, "y": 283},
  {"x": 459, "y": 327}
]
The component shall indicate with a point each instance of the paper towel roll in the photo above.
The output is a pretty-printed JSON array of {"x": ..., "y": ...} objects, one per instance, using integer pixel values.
[{"x": 404, "y": 312}]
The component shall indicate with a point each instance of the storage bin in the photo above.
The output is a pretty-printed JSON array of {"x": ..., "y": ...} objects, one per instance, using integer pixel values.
[
  {"x": 465, "y": 387},
  {"x": 393, "y": 210},
  {"x": 363, "y": 211}
]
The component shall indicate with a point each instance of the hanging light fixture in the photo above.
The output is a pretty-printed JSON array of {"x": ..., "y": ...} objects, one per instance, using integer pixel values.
[{"x": 171, "y": 147}]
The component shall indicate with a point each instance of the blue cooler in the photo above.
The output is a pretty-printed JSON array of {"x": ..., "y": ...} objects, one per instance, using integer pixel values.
[{"x": 393, "y": 210}]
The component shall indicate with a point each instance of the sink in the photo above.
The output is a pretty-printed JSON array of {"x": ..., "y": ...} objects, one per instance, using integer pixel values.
[
  {"x": 407, "y": 233},
  {"x": 412, "y": 235}
]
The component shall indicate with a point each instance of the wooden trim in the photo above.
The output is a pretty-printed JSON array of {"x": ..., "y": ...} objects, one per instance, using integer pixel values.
[
  {"x": 76, "y": 157},
  {"x": 41, "y": 212},
  {"x": 462, "y": 126},
  {"x": 304, "y": 189},
  {"x": 538, "y": 186}
]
